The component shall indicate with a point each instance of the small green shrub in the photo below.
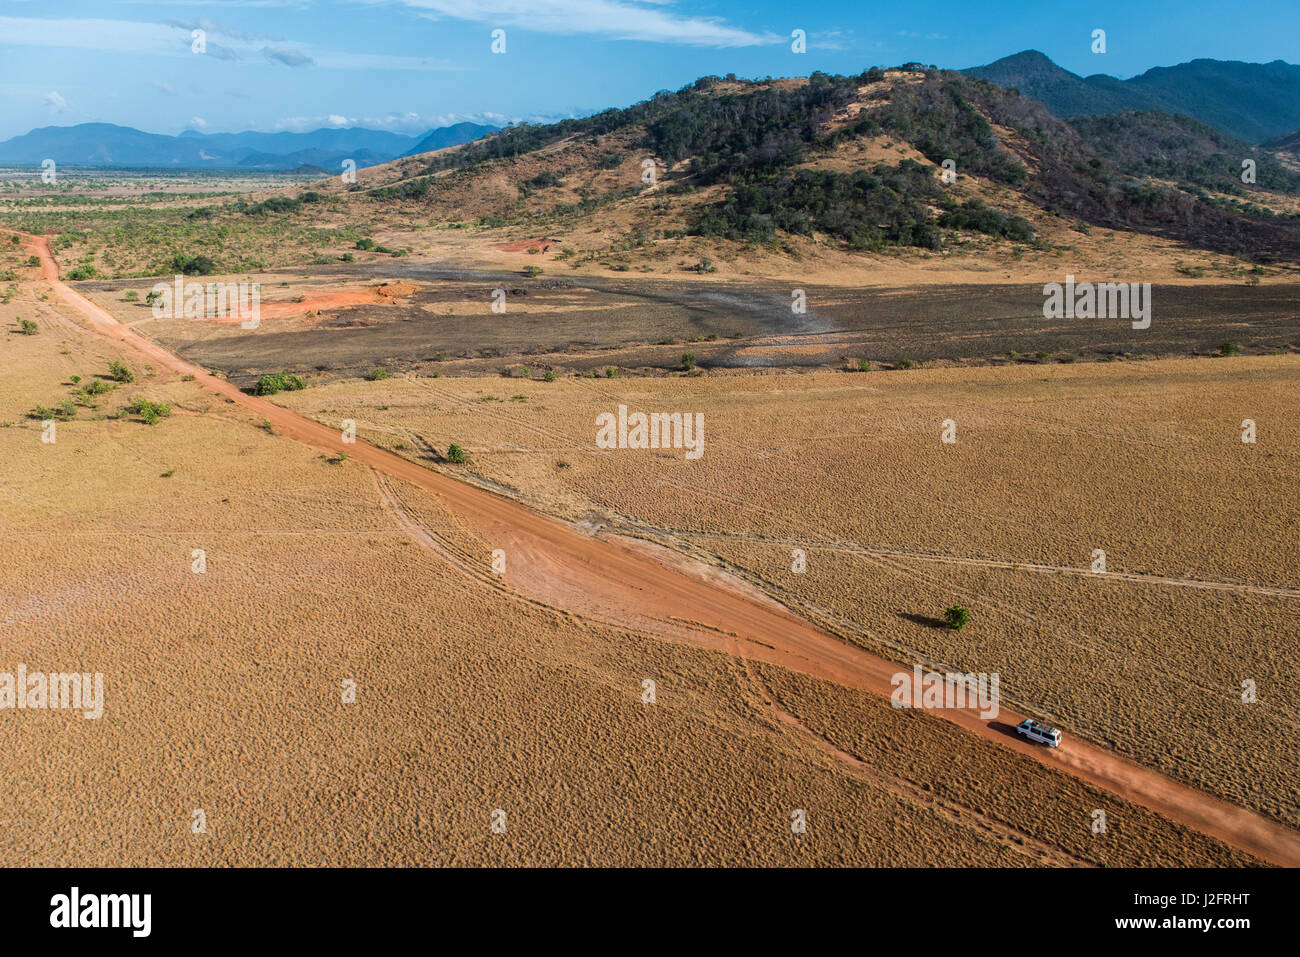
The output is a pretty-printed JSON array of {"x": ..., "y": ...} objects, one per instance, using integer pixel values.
[
  {"x": 192, "y": 265},
  {"x": 957, "y": 617},
  {"x": 543, "y": 180},
  {"x": 279, "y": 382},
  {"x": 455, "y": 454},
  {"x": 148, "y": 411}
]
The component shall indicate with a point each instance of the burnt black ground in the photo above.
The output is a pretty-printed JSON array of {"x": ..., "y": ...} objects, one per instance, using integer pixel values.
[{"x": 625, "y": 322}]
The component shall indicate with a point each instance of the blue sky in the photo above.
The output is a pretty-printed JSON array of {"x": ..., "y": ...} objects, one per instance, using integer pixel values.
[{"x": 408, "y": 65}]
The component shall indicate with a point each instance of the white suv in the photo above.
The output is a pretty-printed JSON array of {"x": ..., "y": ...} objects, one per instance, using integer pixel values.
[{"x": 1042, "y": 733}]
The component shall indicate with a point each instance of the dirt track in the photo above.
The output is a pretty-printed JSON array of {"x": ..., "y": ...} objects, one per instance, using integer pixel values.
[{"x": 642, "y": 587}]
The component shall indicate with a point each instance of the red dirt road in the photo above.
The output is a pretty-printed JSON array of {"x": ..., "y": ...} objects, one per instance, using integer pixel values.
[{"x": 640, "y": 587}]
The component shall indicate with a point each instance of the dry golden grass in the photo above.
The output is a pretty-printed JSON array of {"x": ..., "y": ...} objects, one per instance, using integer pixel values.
[
  {"x": 223, "y": 688},
  {"x": 1144, "y": 461}
]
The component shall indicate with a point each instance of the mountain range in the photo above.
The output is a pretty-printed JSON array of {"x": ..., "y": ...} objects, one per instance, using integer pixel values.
[
  {"x": 105, "y": 144},
  {"x": 757, "y": 164},
  {"x": 1257, "y": 103},
  {"x": 1254, "y": 102}
]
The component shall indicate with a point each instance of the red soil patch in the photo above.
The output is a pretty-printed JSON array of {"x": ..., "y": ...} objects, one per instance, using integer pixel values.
[
  {"x": 371, "y": 295},
  {"x": 317, "y": 302},
  {"x": 541, "y": 245}
]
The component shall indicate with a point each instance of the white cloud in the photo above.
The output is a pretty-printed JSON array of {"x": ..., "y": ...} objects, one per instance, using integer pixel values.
[
  {"x": 831, "y": 40},
  {"x": 198, "y": 123},
  {"x": 614, "y": 19},
  {"x": 55, "y": 101},
  {"x": 287, "y": 56},
  {"x": 218, "y": 52},
  {"x": 161, "y": 39},
  {"x": 219, "y": 29},
  {"x": 380, "y": 61},
  {"x": 119, "y": 36},
  {"x": 304, "y": 4},
  {"x": 410, "y": 123}
]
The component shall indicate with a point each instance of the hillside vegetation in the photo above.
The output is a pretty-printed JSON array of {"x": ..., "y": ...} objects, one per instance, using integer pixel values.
[
  {"x": 758, "y": 160},
  {"x": 853, "y": 163},
  {"x": 1178, "y": 148},
  {"x": 1249, "y": 101}
]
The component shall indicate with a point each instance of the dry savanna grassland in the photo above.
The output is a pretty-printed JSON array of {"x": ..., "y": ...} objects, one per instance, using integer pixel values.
[
  {"x": 223, "y": 688},
  {"x": 1050, "y": 465},
  {"x": 919, "y": 437}
]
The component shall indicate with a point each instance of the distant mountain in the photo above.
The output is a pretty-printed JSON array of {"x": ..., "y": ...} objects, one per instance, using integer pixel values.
[
  {"x": 451, "y": 136},
  {"x": 333, "y": 139},
  {"x": 105, "y": 144},
  {"x": 1177, "y": 148},
  {"x": 1290, "y": 143},
  {"x": 331, "y": 160},
  {"x": 1250, "y": 101},
  {"x": 1064, "y": 93}
]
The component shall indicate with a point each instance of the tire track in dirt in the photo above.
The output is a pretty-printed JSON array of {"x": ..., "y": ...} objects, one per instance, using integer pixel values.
[
  {"x": 855, "y": 548},
  {"x": 895, "y": 561},
  {"x": 1021, "y": 842},
  {"x": 664, "y": 593}
]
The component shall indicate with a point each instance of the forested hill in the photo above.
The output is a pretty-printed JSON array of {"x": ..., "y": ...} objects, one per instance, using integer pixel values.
[
  {"x": 857, "y": 161},
  {"x": 1252, "y": 102}
]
